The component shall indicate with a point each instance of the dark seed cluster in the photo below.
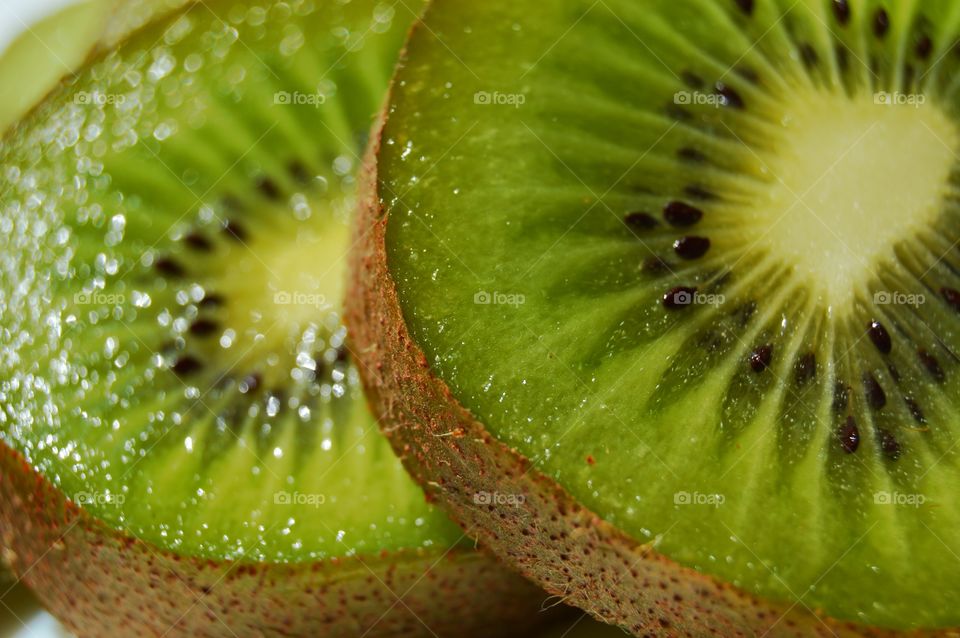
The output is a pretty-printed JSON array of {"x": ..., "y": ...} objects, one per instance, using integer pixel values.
[
  {"x": 761, "y": 357},
  {"x": 841, "y": 10},
  {"x": 881, "y": 23},
  {"x": 873, "y": 391},
  {"x": 639, "y": 221},
  {"x": 681, "y": 215},
  {"x": 746, "y": 6},
  {"x": 889, "y": 445},
  {"x": 730, "y": 96},
  {"x": 809, "y": 55},
  {"x": 679, "y": 297},
  {"x": 876, "y": 390},
  {"x": 806, "y": 369},
  {"x": 192, "y": 355},
  {"x": 691, "y": 247},
  {"x": 849, "y": 435},
  {"x": 880, "y": 337},
  {"x": 932, "y": 365},
  {"x": 952, "y": 297}
]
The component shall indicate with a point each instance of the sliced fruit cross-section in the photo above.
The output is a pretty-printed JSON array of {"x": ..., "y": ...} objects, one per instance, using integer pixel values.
[
  {"x": 701, "y": 281},
  {"x": 173, "y": 226}
]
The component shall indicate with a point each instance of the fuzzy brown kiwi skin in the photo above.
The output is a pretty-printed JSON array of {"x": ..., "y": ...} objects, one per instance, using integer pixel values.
[
  {"x": 551, "y": 539},
  {"x": 101, "y": 582}
]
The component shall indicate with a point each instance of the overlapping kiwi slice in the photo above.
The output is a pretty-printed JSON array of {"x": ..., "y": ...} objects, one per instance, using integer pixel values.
[
  {"x": 685, "y": 275},
  {"x": 33, "y": 62},
  {"x": 186, "y": 449}
]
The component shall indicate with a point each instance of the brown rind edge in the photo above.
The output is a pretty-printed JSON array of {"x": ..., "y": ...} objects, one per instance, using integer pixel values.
[
  {"x": 551, "y": 539},
  {"x": 101, "y": 582}
]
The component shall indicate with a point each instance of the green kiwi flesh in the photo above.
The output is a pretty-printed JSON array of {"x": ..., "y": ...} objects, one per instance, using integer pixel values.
[
  {"x": 174, "y": 378},
  {"x": 696, "y": 262}
]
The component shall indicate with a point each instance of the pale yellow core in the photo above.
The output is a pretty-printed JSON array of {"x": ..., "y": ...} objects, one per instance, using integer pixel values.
[
  {"x": 281, "y": 285},
  {"x": 851, "y": 179}
]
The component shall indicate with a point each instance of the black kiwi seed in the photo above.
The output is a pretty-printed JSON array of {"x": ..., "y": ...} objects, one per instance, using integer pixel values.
[
  {"x": 640, "y": 221},
  {"x": 268, "y": 188},
  {"x": 841, "y": 9},
  {"x": 211, "y": 300},
  {"x": 889, "y": 445},
  {"x": 679, "y": 297},
  {"x": 805, "y": 369},
  {"x": 924, "y": 47},
  {"x": 932, "y": 365},
  {"x": 691, "y": 247},
  {"x": 682, "y": 215},
  {"x": 730, "y": 97},
  {"x": 678, "y": 113},
  {"x": 849, "y": 436},
  {"x": 298, "y": 171},
  {"x": 876, "y": 397},
  {"x": 746, "y": 6},
  {"x": 881, "y": 23},
  {"x": 699, "y": 192},
  {"x": 343, "y": 354},
  {"x": 186, "y": 365},
  {"x": 761, "y": 357},
  {"x": 915, "y": 410},
  {"x": 169, "y": 267},
  {"x": 908, "y": 74},
  {"x": 692, "y": 80},
  {"x": 198, "y": 242},
  {"x": 880, "y": 337},
  {"x": 894, "y": 373},
  {"x": 234, "y": 230},
  {"x": 809, "y": 55},
  {"x": 688, "y": 154},
  {"x": 952, "y": 297},
  {"x": 841, "y": 396},
  {"x": 843, "y": 57},
  {"x": 204, "y": 327},
  {"x": 655, "y": 265}
]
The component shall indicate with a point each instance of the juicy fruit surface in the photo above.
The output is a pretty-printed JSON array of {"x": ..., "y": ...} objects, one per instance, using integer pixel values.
[
  {"x": 704, "y": 277},
  {"x": 174, "y": 223}
]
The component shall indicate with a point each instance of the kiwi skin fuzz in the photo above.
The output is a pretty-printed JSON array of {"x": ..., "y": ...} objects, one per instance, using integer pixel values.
[
  {"x": 101, "y": 582},
  {"x": 552, "y": 540}
]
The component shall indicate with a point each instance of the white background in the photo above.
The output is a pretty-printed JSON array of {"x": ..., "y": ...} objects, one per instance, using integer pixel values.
[{"x": 15, "y": 14}]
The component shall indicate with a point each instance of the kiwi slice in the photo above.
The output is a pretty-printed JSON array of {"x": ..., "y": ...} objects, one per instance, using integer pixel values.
[
  {"x": 186, "y": 448},
  {"x": 684, "y": 276},
  {"x": 46, "y": 51}
]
